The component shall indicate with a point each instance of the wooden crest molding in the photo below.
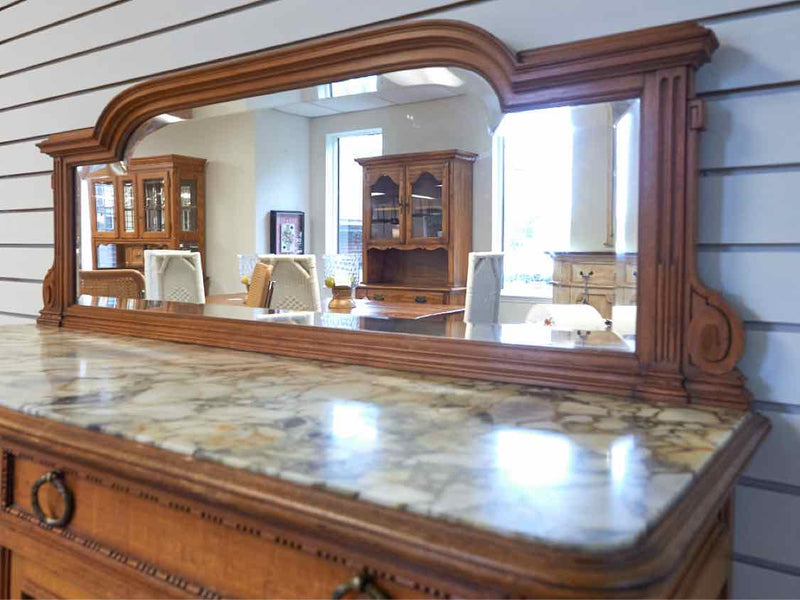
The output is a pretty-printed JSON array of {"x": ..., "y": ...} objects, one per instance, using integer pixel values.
[{"x": 688, "y": 338}]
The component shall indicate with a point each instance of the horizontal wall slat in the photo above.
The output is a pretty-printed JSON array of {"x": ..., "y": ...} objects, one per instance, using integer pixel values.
[
  {"x": 123, "y": 21},
  {"x": 761, "y": 284},
  {"x": 753, "y": 51},
  {"x": 771, "y": 459},
  {"x": 26, "y": 228},
  {"x": 767, "y": 525},
  {"x": 750, "y": 207},
  {"x": 771, "y": 365},
  {"x": 232, "y": 34},
  {"x": 32, "y": 14},
  {"x": 755, "y": 128},
  {"x": 23, "y": 157},
  {"x": 11, "y": 320},
  {"x": 749, "y": 581},
  {"x": 20, "y": 298},
  {"x": 74, "y": 112},
  {"x": 25, "y": 263},
  {"x": 33, "y": 191},
  {"x": 523, "y": 24}
]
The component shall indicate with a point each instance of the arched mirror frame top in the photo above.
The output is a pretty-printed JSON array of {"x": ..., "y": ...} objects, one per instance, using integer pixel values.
[{"x": 688, "y": 338}]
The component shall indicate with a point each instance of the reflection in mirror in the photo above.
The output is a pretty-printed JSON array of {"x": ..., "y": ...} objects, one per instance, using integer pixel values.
[{"x": 420, "y": 208}]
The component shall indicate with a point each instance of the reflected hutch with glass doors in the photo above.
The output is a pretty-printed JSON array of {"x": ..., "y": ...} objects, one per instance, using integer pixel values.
[
  {"x": 159, "y": 203},
  {"x": 417, "y": 226}
]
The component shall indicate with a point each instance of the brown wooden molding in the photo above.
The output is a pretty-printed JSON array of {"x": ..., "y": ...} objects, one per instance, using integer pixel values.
[
  {"x": 688, "y": 338},
  {"x": 389, "y": 540}
]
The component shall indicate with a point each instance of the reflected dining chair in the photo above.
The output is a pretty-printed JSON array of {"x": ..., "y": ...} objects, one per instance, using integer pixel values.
[
  {"x": 112, "y": 283},
  {"x": 174, "y": 276},
  {"x": 296, "y": 283},
  {"x": 484, "y": 282}
]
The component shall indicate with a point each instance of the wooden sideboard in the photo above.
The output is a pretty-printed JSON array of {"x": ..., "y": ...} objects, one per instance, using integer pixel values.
[
  {"x": 600, "y": 279},
  {"x": 417, "y": 231}
]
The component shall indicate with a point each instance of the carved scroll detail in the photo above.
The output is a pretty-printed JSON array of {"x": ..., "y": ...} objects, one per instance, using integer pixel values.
[
  {"x": 715, "y": 337},
  {"x": 49, "y": 289}
]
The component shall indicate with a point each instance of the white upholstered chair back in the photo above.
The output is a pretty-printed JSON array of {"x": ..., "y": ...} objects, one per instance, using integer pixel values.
[
  {"x": 296, "y": 282},
  {"x": 484, "y": 282},
  {"x": 174, "y": 276}
]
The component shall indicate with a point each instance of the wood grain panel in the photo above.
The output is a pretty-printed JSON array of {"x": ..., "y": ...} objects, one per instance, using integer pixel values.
[
  {"x": 767, "y": 525},
  {"x": 25, "y": 263},
  {"x": 750, "y": 581},
  {"x": 761, "y": 283},
  {"x": 23, "y": 157},
  {"x": 26, "y": 192},
  {"x": 226, "y": 36},
  {"x": 750, "y": 207},
  {"x": 774, "y": 459},
  {"x": 122, "y": 21},
  {"x": 755, "y": 128},
  {"x": 21, "y": 298},
  {"x": 771, "y": 365},
  {"x": 753, "y": 51},
  {"x": 36, "y": 13},
  {"x": 26, "y": 228}
]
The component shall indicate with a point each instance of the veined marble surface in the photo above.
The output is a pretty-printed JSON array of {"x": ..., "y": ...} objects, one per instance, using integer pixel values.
[{"x": 561, "y": 468}]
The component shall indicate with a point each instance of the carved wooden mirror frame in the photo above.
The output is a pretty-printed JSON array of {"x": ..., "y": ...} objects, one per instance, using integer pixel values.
[{"x": 688, "y": 339}]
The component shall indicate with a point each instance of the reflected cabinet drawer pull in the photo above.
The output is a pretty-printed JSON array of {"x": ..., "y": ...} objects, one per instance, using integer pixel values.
[
  {"x": 378, "y": 297},
  {"x": 420, "y": 299},
  {"x": 56, "y": 479},
  {"x": 361, "y": 583}
]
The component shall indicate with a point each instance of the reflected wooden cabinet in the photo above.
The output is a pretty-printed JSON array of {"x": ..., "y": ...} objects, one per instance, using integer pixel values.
[
  {"x": 158, "y": 204},
  {"x": 417, "y": 229},
  {"x": 600, "y": 279}
]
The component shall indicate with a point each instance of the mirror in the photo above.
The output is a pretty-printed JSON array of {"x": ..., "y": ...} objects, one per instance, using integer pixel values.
[{"x": 404, "y": 202}]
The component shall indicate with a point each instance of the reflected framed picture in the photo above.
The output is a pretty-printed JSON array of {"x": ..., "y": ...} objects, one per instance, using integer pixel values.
[{"x": 286, "y": 232}]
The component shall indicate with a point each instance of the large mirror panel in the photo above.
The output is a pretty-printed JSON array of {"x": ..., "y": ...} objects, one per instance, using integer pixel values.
[{"x": 404, "y": 202}]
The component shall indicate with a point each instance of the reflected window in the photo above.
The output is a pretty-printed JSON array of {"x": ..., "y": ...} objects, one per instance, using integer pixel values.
[
  {"x": 535, "y": 182},
  {"x": 345, "y": 181},
  {"x": 348, "y": 87}
]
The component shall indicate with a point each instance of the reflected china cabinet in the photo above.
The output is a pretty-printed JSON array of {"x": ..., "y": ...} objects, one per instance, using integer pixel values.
[
  {"x": 417, "y": 228},
  {"x": 159, "y": 203}
]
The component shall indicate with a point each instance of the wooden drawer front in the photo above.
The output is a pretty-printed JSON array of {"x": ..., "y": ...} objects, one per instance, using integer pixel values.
[
  {"x": 134, "y": 256},
  {"x": 602, "y": 274},
  {"x": 390, "y": 295},
  {"x": 631, "y": 272},
  {"x": 601, "y": 300},
  {"x": 202, "y": 549}
]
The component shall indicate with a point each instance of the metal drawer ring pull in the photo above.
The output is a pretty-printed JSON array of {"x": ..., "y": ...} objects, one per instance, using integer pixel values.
[
  {"x": 361, "y": 583},
  {"x": 56, "y": 478}
]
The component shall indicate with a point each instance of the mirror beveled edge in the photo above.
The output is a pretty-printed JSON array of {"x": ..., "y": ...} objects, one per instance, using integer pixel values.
[{"x": 688, "y": 338}]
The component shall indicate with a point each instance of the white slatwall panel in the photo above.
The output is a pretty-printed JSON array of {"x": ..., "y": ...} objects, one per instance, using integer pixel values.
[
  {"x": 740, "y": 208},
  {"x": 33, "y": 191},
  {"x": 226, "y": 36},
  {"x": 31, "y": 14},
  {"x": 770, "y": 461},
  {"x": 771, "y": 364},
  {"x": 752, "y": 52},
  {"x": 12, "y": 320},
  {"x": 21, "y": 298},
  {"x": 26, "y": 228},
  {"x": 752, "y": 129},
  {"x": 767, "y": 525},
  {"x": 759, "y": 283},
  {"x": 130, "y": 19},
  {"x": 754, "y": 582},
  {"x": 25, "y": 263},
  {"x": 23, "y": 157}
]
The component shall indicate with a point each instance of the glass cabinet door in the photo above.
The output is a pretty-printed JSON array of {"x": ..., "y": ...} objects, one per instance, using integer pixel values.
[
  {"x": 427, "y": 212},
  {"x": 127, "y": 192},
  {"x": 154, "y": 203},
  {"x": 188, "y": 205},
  {"x": 384, "y": 209},
  {"x": 104, "y": 207}
]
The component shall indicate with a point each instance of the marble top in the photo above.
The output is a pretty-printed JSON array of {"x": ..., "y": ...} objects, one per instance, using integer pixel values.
[{"x": 561, "y": 468}]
